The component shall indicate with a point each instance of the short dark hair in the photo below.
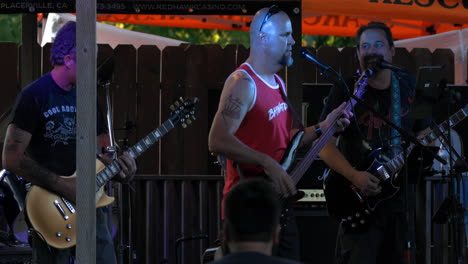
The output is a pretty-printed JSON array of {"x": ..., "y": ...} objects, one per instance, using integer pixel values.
[
  {"x": 252, "y": 211},
  {"x": 375, "y": 25},
  {"x": 64, "y": 43}
]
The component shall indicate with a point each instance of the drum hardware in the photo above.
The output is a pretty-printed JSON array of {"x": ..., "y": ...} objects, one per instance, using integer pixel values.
[{"x": 13, "y": 191}]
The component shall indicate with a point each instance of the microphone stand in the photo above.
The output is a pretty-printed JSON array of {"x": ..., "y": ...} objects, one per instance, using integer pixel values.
[{"x": 451, "y": 208}]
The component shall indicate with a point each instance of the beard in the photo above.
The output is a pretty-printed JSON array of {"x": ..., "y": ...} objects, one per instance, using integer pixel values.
[
  {"x": 286, "y": 61},
  {"x": 372, "y": 61}
]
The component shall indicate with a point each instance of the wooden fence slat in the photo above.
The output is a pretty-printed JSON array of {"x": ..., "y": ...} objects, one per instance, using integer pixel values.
[
  {"x": 148, "y": 105},
  {"x": 421, "y": 57},
  {"x": 310, "y": 69},
  {"x": 402, "y": 57},
  {"x": 216, "y": 69},
  {"x": 46, "y": 64},
  {"x": 195, "y": 150},
  {"x": 104, "y": 73},
  {"x": 8, "y": 75},
  {"x": 172, "y": 87},
  {"x": 445, "y": 58},
  {"x": 124, "y": 98},
  {"x": 349, "y": 62},
  {"x": 9, "y": 52},
  {"x": 331, "y": 57}
]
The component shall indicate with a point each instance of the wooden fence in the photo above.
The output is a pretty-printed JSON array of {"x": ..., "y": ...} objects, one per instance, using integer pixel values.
[{"x": 145, "y": 82}]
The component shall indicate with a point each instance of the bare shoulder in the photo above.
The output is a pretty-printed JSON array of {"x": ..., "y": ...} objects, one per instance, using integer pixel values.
[{"x": 239, "y": 86}]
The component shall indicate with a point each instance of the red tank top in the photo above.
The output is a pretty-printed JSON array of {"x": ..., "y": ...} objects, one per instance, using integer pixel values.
[{"x": 265, "y": 128}]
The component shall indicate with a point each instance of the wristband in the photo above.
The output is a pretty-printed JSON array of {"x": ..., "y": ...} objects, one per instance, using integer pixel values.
[{"x": 318, "y": 131}]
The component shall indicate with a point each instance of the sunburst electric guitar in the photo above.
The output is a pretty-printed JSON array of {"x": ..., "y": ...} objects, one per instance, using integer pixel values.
[{"x": 54, "y": 218}]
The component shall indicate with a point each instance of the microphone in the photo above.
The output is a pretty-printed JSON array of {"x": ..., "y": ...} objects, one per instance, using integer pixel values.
[
  {"x": 308, "y": 55},
  {"x": 387, "y": 65}
]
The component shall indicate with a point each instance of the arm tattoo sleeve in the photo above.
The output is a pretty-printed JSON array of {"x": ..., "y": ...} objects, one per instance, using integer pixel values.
[{"x": 232, "y": 108}]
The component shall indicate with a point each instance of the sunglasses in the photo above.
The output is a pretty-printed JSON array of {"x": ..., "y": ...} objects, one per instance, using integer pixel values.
[{"x": 274, "y": 9}]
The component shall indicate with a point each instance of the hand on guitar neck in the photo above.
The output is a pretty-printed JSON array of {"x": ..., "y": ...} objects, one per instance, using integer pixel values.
[
  {"x": 128, "y": 167},
  {"x": 339, "y": 118},
  {"x": 65, "y": 186}
]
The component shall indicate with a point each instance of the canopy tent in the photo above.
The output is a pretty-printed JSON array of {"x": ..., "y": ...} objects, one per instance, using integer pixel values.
[
  {"x": 456, "y": 40},
  {"x": 408, "y": 18},
  {"x": 106, "y": 34}
]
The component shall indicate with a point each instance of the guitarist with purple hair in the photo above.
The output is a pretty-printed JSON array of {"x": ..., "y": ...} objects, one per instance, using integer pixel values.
[{"x": 40, "y": 144}]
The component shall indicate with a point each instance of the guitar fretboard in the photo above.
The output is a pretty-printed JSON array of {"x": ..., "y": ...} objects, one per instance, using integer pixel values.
[
  {"x": 297, "y": 173},
  {"x": 398, "y": 162},
  {"x": 144, "y": 144}
]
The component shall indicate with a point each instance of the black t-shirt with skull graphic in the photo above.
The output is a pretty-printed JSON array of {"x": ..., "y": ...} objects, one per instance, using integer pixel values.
[{"x": 49, "y": 114}]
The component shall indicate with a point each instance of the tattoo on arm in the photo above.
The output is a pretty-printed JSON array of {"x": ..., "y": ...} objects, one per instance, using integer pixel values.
[
  {"x": 232, "y": 108},
  {"x": 42, "y": 176},
  {"x": 233, "y": 105},
  {"x": 27, "y": 168}
]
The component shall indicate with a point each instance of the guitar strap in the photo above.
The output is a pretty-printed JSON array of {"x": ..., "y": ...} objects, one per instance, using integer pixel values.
[
  {"x": 296, "y": 123},
  {"x": 395, "y": 113},
  {"x": 297, "y": 120}
]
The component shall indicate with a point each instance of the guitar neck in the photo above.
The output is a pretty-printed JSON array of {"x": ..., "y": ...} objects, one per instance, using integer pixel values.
[
  {"x": 398, "y": 162},
  {"x": 297, "y": 173},
  {"x": 144, "y": 144}
]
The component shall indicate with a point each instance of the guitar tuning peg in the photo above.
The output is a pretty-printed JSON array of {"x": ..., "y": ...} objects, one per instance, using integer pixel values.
[
  {"x": 188, "y": 121},
  {"x": 172, "y": 107},
  {"x": 358, "y": 215},
  {"x": 194, "y": 118},
  {"x": 362, "y": 221},
  {"x": 184, "y": 125},
  {"x": 181, "y": 99},
  {"x": 353, "y": 225}
]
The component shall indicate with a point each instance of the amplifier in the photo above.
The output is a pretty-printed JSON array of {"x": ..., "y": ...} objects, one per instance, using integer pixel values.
[
  {"x": 313, "y": 195},
  {"x": 313, "y": 199}
]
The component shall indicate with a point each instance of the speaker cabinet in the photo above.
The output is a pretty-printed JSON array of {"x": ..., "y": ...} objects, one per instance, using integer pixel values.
[{"x": 317, "y": 235}]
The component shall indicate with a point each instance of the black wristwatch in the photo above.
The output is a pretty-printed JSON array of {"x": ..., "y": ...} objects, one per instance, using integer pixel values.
[{"x": 318, "y": 131}]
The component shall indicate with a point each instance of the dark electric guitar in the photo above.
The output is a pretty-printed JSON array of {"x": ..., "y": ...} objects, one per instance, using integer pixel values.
[
  {"x": 354, "y": 209},
  {"x": 297, "y": 170},
  {"x": 54, "y": 218}
]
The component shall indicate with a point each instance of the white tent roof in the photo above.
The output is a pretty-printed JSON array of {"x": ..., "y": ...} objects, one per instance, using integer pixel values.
[
  {"x": 456, "y": 40},
  {"x": 107, "y": 34}
]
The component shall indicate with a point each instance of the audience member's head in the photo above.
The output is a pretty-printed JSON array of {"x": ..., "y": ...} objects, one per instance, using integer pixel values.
[{"x": 252, "y": 212}]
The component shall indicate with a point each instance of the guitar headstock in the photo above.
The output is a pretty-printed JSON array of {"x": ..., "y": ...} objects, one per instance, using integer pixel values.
[{"x": 183, "y": 111}]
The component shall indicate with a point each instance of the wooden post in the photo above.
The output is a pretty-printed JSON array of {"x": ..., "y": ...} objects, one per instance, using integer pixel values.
[
  {"x": 86, "y": 130},
  {"x": 30, "y": 52}
]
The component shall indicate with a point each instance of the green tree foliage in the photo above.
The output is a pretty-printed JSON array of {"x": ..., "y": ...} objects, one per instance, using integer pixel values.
[
  {"x": 224, "y": 37},
  {"x": 10, "y": 28},
  {"x": 332, "y": 41},
  {"x": 193, "y": 35}
]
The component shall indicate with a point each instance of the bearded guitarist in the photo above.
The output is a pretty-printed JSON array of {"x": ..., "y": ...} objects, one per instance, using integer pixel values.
[
  {"x": 40, "y": 143},
  {"x": 389, "y": 93},
  {"x": 253, "y": 124}
]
